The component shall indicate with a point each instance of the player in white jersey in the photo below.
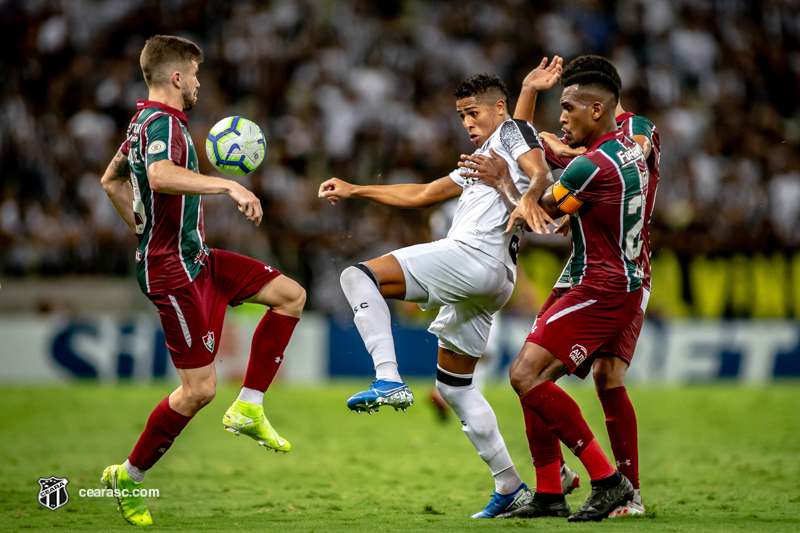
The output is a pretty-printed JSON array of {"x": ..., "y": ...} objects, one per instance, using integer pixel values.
[{"x": 469, "y": 275}]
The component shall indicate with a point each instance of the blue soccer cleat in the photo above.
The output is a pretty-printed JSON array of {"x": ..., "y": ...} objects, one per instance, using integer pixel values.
[
  {"x": 381, "y": 392},
  {"x": 503, "y": 503}
]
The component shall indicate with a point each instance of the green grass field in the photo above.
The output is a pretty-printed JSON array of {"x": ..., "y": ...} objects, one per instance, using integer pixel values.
[{"x": 718, "y": 458}]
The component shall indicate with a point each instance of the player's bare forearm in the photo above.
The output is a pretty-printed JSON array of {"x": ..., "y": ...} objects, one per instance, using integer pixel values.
[
  {"x": 549, "y": 204},
  {"x": 526, "y": 104},
  {"x": 542, "y": 78},
  {"x": 121, "y": 195},
  {"x": 407, "y": 195},
  {"x": 168, "y": 178},
  {"x": 559, "y": 149},
  {"x": 116, "y": 184}
]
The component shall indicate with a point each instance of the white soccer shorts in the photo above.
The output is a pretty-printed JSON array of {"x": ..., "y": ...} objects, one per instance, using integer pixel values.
[{"x": 468, "y": 285}]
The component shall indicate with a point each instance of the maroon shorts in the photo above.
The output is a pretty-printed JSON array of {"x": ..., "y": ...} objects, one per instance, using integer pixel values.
[
  {"x": 192, "y": 315},
  {"x": 576, "y": 324}
]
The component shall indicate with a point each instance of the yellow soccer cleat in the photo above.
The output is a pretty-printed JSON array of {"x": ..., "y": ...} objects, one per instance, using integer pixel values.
[
  {"x": 133, "y": 508},
  {"x": 248, "y": 419}
]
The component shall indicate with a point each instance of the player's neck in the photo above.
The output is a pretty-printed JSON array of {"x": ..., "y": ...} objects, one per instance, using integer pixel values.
[
  {"x": 166, "y": 97},
  {"x": 619, "y": 110},
  {"x": 603, "y": 129}
]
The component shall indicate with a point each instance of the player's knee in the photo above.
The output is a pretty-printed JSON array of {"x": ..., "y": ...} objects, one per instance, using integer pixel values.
[
  {"x": 292, "y": 299},
  {"x": 353, "y": 274},
  {"x": 608, "y": 373},
  {"x": 297, "y": 300},
  {"x": 203, "y": 393},
  {"x": 518, "y": 378}
]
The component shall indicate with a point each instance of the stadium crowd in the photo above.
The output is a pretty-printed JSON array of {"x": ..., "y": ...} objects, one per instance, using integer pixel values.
[{"x": 362, "y": 90}]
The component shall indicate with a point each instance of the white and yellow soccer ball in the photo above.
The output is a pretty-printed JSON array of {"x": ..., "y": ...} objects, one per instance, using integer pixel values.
[{"x": 235, "y": 146}]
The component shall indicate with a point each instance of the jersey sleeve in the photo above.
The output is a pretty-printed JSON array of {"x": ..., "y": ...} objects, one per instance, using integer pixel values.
[
  {"x": 574, "y": 187},
  {"x": 641, "y": 126},
  {"x": 164, "y": 139},
  {"x": 125, "y": 147},
  {"x": 457, "y": 177},
  {"x": 518, "y": 137}
]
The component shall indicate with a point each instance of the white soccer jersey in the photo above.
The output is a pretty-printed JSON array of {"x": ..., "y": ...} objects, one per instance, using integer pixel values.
[{"x": 481, "y": 218}]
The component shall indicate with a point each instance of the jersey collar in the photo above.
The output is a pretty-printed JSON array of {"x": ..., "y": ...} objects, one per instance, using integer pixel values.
[
  {"x": 142, "y": 104},
  {"x": 624, "y": 116},
  {"x": 614, "y": 135}
]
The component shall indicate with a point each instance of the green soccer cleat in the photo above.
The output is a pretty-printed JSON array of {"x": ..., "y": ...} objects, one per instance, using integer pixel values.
[
  {"x": 248, "y": 419},
  {"x": 133, "y": 508}
]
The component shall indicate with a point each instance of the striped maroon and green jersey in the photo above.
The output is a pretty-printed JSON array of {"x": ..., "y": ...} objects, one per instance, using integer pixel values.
[
  {"x": 630, "y": 125},
  {"x": 610, "y": 180},
  {"x": 172, "y": 247}
]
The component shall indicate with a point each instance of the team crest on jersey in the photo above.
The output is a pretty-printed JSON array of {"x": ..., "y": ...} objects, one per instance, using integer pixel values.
[
  {"x": 578, "y": 354},
  {"x": 208, "y": 340},
  {"x": 53, "y": 492},
  {"x": 156, "y": 147}
]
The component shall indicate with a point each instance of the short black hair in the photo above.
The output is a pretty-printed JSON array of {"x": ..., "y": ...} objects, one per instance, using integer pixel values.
[
  {"x": 593, "y": 78},
  {"x": 480, "y": 84},
  {"x": 592, "y": 63}
]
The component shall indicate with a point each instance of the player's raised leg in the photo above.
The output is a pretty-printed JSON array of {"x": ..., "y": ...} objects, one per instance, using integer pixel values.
[
  {"x": 533, "y": 376},
  {"x": 164, "y": 425},
  {"x": 366, "y": 286},
  {"x": 286, "y": 299}
]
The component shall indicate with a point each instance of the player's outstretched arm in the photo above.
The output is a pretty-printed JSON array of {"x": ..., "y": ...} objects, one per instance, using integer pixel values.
[
  {"x": 541, "y": 78},
  {"x": 116, "y": 182},
  {"x": 402, "y": 195},
  {"x": 559, "y": 149},
  {"x": 167, "y": 177}
]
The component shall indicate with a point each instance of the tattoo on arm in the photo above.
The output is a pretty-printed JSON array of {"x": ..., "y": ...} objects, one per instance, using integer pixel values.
[{"x": 119, "y": 167}]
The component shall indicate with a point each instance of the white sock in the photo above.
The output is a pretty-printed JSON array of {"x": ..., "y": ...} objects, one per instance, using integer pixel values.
[
  {"x": 253, "y": 396},
  {"x": 133, "y": 472},
  {"x": 372, "y": 317},
  {"x": 388, "y": 372},
  {"x": 480, "y": 424}
]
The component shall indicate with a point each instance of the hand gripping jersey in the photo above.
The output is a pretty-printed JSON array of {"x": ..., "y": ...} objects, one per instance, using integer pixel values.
[
  {"x": 605, "y": 192},
  {"x": 630, "y": 125},
  {"x": 481, "y": 217},
  {"x": 172, "y": 248}
]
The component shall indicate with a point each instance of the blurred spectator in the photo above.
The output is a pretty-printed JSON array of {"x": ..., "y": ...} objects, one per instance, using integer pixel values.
[{"x": 362, "y": 90}]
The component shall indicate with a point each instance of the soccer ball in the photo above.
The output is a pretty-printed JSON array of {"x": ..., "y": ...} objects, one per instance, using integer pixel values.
[{"x": 235, "y": 146}]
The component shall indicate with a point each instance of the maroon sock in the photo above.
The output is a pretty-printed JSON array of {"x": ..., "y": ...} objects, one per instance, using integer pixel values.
[
  {"x": 563, "y": 416},
  {"x": 266, "y": 352},
  {"x": 162, "y": 427},
  {"x": 622, "y": 431},
  {"x": 545, "y": 452},
  {"x": 596, "y": 462}
]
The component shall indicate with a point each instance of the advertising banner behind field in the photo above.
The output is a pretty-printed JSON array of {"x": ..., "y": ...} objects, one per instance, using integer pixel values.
[{"x": 114, "y": 347}]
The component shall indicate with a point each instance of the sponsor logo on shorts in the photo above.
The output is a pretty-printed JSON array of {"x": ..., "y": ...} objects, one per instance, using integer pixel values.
[
  {"x": 578, "y": 354},
  {"x": 208, "y": 340},
  {"x": 156, "y": 147}
]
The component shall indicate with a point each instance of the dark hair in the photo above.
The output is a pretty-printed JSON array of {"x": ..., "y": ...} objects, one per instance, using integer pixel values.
[
  {"x": 589, "y": 63},
  {"x": 593, "y": 78},
  {"x": 482, "y": 84},
  {"x": 162, "y": 53}
]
